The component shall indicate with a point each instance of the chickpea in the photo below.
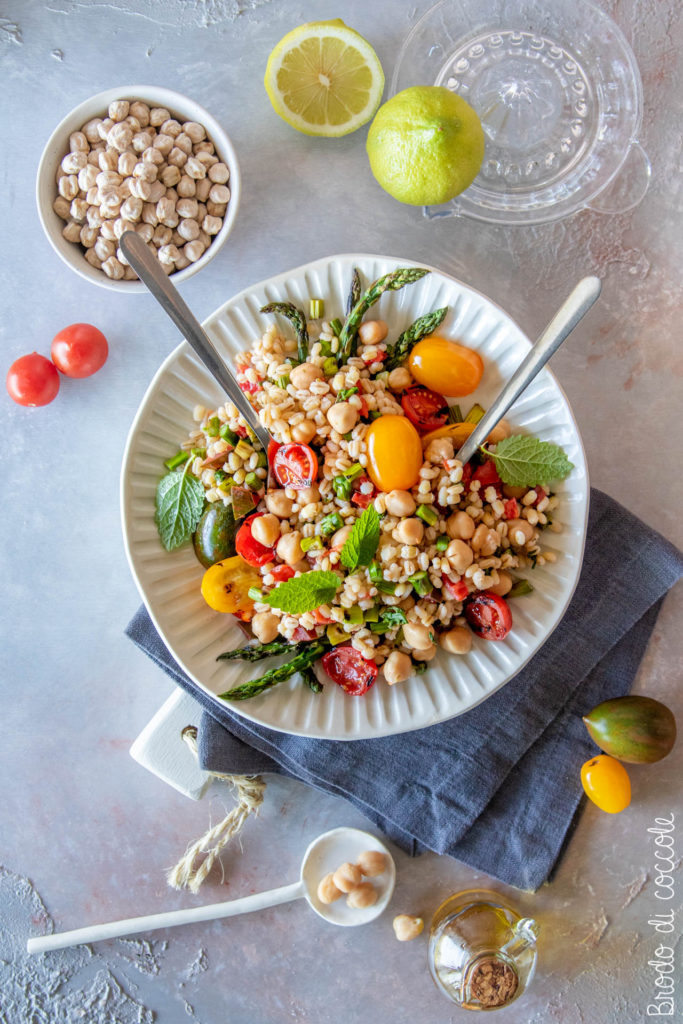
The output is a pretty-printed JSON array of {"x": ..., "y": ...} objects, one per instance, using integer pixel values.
[
  {"x": 364, "y": 895},
  {"x": 347, "y": 877},
  {"x": 339, "y": 539},
  {"x": 499, "y": 432},
  {"x": 146, "y": 232},
  {"x": 289, "y": 548},
  {"x": 90, "y": 130},
  {"x": 372, "y": 332},
  {"x": 279, "y": 504},
  {"x": 195, "y": 169},
  {"x": 187, "y": 208},
  {"x": 141, "y": 111},
  {"x": 457, "y": 640},
  {"x": 407, "y": 927},
  {"x": 68, "y": 186},
  {"x": 425, "y": 655},
  {"x": 162, "y": 236},
  {"x": 170, "y": 176},
  {"x": 302, "y": 376},
  {"x": 439, "y": 449},
  {"x": 194, "y": 130},
  {"x": 157, "y": 191},
  {"x": 72, "y": 231},
  {"x": 514, "y": 492},
  {"x": 219, "y": 173},
  {"x": 342, "y": 417},
  {"x": 93, "y": 259},
  {"x": 409, "y": 531},
  {"x": 183, "y": 142},
  {"x": 193, "y": 250},
  {"x": 171, "y": 127},
  {"x": 417, "y": 636},
  {"x": 78, "y": 141},
  {"x": 186, "y": 187},
  {"x": 308, "y": 494},
  {"x": 266, "y": 530},
  {"x": 327, "y": 890},
  {"x": 203, "y": 188},
  {"x": 74, "y": 162},
  {"x": 212, "y": 225},
  {"x": 265, "y": 626},
  {"x": 504, "y": 584},
  {"x": 188, "y": 229},
  {"x": 397, "y": 668},
  {"x": 120, "y": 137},
  {"x": 113, "y": 268},
  {"x": 62, "y": 207},
  {"x": 372, "y": 862},
  {"x": 88, "y": 236},
  {"x": 152, "y": 156},
  {"x": 304, "y": 432},
  {"x": 400, "y": 503},
  {"x": 399, "y": 379},
  {"x": 119, "y": 109},
  {"x": 485, "y": 540},
  {"x": 460, "y": 555},
  {"x": 460, "y": 526},
  {"x": 520, "y": 532}
]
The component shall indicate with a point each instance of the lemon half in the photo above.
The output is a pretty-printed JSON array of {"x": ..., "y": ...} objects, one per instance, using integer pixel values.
[{"x": 324, "y": 79}]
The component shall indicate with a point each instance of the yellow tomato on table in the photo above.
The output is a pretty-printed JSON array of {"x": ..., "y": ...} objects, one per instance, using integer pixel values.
[
  {"x": 446, "y": 367},
  {"x": 225, "y": 587},
  {"x": 606, "y": 783},
  {"x": 394, "y": 453}
]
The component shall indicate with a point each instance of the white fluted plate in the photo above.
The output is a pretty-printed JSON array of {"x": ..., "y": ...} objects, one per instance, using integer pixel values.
[{"x": 169, "y": 582}]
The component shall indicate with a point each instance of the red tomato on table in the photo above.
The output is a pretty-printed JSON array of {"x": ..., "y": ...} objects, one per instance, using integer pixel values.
[
  {"x": 32, "y": 380},
  {"x": 350, "y": 670},
  {"x": 79, "y": 350}
]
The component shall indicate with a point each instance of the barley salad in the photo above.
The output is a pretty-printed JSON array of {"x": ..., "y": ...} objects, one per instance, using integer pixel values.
[{"x": 373, "y": 546}]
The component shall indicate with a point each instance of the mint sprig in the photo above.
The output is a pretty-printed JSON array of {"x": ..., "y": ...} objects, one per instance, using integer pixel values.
[
  {"x": 304, "y": 593},
  {"x": 362, "y": 542},
  {"x": 525, "y": 461},
  {"x": 179, "y": 505}
]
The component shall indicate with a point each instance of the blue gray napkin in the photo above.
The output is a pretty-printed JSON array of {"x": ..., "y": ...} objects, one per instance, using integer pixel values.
[{"x": 497, "y": 787}]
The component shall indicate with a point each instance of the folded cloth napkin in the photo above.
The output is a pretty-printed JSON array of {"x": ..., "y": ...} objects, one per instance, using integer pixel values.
[{"x": 498, "y": 787}]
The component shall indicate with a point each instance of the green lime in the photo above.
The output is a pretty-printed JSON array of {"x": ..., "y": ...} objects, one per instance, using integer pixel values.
[{"x": 425, "y": 145}]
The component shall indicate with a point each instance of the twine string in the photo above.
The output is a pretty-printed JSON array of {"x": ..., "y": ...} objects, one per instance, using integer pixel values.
[{"x": 191, "y": 870}]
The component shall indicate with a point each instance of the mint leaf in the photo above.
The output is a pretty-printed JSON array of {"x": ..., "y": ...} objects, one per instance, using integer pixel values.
[
  {"x": 179, "y": 505},
  {"x": 362, "y": 543},
  {"x": 304, "y": 593},
  {"x": 526, "y": 461},
  {"x": 393, "y": 616}
]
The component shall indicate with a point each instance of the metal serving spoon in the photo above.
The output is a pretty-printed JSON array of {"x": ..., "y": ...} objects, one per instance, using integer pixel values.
[
  {"x": 148, "y": 269},
  {"x": 324, "y": 855},
  {"x": 572, "y": 310}
]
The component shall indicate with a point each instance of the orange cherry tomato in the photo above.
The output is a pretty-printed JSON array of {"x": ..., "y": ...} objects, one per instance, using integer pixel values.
[
  {"x": 394, "y": 453},
  {"x": 225, "y": 587},
  {"x": 606, "y": 783},
  {"x": 446, "y": 367}
]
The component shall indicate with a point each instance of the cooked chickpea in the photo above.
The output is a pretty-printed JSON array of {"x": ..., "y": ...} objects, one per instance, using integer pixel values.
[
  {"x": 417, "y": 636},
  {"x": 304, "y": 432},
  {"x": 439, "y": 449},
  {"x": 364, "y": 895},
  {"x": 372, "y": 332},
  {"x": 266, "y": 529},
  {"x": 302, "y": 376},
  {"x": 289, "y": 548},
  {"x": 409, "y": 531},
  {"x": 520, "y": 532},
  {"x": 308, "y": 494},
  {"x": 397, "y": 668},
  {"x": 342, "y": 417},
  {"x": 499, "y": 432},
  {"x": 327, "y": 890},
  {"x": 400, "y": 503},
  {"x": 406, "y": 927},
  {"x": 485, "y": 540},
  {"x": 372, "y": 862},
  {"x": 504, "y": 584},
  {"x": 425, "y": 654},
  {"x": 457, "y": 640},
  {"x": 347, "y": 877},
  {"x": 399, "y": 379},
  {"x": 265, "y": 626},
  {"x": 460, "y": 555},
  {"x": 279, "y": 504},
  {"x": 514, "y": 492},
  {"x": 339, "y": 539},
  {"x": 460, "y": 526}
]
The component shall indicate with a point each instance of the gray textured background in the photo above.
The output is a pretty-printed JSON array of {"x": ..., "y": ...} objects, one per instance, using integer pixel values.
[{"x": 90, "y": 829}]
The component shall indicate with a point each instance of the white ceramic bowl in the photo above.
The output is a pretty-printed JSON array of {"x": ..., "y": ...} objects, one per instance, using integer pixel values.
[
  {"x": 57, "y": 146},
  {"x": 169, "y": 583}
]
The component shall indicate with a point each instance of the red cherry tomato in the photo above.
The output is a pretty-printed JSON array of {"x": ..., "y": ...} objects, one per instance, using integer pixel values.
[
  {"x": 282, "y": 573},
  {"x": 295, "y": 465},
  {"x": 454, "y": 591},
  {"x": 489, "y": 616},
  {"x": 511, "y": 509},
  {"x": 79, "y": 350},
  {"x": 487, "y": 475},
  {"x": 300, "y": 635},
  {"x": 32, "y": 380},
  {"x": 249, "y": 549},
  {"x": 363, "y": 411},
  {"x": 426, "y": 409},
  {"x": 350, "y": 670},
  {"x": 467, "y": 475}
]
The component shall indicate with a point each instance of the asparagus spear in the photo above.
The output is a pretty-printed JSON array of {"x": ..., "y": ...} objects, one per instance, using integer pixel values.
[
  {"x": 354, "y": 291},
  {"x": 298, "y": 321},
  {"x": 255, "y": 652},
  {"x": 300, "y": 661},
  {"x": 390, "y": 282},
  {"x": 423, "y": 326},
  {"x": 311, "y": 680}
]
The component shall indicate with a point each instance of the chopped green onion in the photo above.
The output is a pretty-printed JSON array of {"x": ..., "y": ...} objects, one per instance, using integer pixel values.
[
  {"x": 331, "y": 523},
  {"x": 325, "y": 347},
  {"x": 475, "y": 414},
  {"x": 253, "y": 482},
  {"x": 419, "y": 667},
  {"x": 226, "y": 484},
  {"x": 219, "y": 475},
  {"x": 198, "y": 453},
  {"x": 228, "y": 435},
  {"x": 379, "y": 627},
  {"x": 335, "y": 634},
  {"x": 421, "y": 583},
  {"x": 375, "y": 572},
  {"x": 374, "y": 414},
  {"x": 261, "y": 460},
  {"x": 336, "y": 326},
  {"x": 316, "y": 309},
  {"x": 342, "y": 487},
  {"x": 442, "y": 542},
  {"x": 353, "y": 471},
  {"x": 454, "y": 414},
  {"x": 283, "y": 381},
  {"x": 346, "y": 393},
  {"x": 520, "y": 588},
  {"x": 354, "y": 615},
  {"x": 177, "y": 460},
  {"x": 308, "y": 543},
  {"x": 428, "y": 514},
  {"x": 385, "y": 588},
  {"x": 330, "y": 366},
  {"x": 243, "y": 450},
  {"x": 348, "y": 436},
  {"x": 255, "y": 594},
  {"x": 212, "y": 427},
  {"x": 371, "y": 614}
]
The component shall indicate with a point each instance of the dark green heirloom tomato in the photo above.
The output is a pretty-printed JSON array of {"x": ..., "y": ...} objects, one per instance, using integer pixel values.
[{"x": 214, "y": 538}]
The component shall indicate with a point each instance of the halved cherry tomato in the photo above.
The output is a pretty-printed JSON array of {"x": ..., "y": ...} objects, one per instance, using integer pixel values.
[
  {"x": 32, "y": 380},
  {"x": 427, "y": 410},
  {"x": 467, "y": 475},
  {"x": 394, "y": 453},
  {"x": 273, "y": 446},
  {"x": 350, "y": 670},
  {"x": 487, "y": 475},
  {"x": 446, "y": 366},
  {"x": 454, "y": 591},
  {"x": 79, "y": 350},
  {"x": 300, "y": 635},
  {"x": 249, "y": 549},
  {"x": 225, "y": 587},
  {"x": 606, "y": 783},
  {"x": 295, "y": 465},
  {"x": 282, "y": 573},
  {"x": 489, "y": 616},
  {"x": 511, "y": 509}
]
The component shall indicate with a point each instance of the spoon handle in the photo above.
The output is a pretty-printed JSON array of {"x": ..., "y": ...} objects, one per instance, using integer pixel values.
[
  {"x": 146, "y": 266},
  {"x": 190, "y": 915},
  {"x": 573, "y": 309}
]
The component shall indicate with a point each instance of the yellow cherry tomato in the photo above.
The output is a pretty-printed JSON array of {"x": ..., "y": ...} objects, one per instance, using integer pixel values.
[
  {"x": 394, "y": 453},
  {"x": 446, "y": 367},
  {"x": 606, "y": 783},
  {"x": 225, "y": 587}
]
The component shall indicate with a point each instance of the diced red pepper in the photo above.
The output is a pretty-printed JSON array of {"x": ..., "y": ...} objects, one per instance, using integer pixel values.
[
  {"x": 511, "y": 509},
  {"x": 364, "y": 411},
  {"x": 320, "y": 617},
  {"x": 241, "y": 431},
  {"x": 250, "y": 387},
  {"x": 454, "y": 591},
  {"x": 360, "y": 499},
  {"x": 487, "y": 475},
  {"x": 300, "y": 634},
  {"x": 466, "y": 475},
  {"x": 541, "y": 493},
  {"x": 379, "y": 358},
  {"x": 282, "y": 573}
]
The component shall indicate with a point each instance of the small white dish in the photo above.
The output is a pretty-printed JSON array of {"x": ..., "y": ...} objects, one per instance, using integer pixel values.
[
  {"x": 169, "y": 583},
  {"x": 182, "y": 107}
]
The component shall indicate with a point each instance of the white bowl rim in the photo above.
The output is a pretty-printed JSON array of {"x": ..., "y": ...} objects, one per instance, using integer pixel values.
[
  {"x": 183, "y": 348},
  {"x": 158, "y": 95}
]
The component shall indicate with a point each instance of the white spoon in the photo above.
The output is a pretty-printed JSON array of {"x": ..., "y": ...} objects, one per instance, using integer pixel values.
[{"x": 325, "y": 854}]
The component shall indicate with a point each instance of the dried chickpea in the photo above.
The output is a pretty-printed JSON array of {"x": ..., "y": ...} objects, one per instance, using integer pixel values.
[
  {"x": 88, "y": 236},
  {"x": 347, "y": 877},
  {"x": 113, "y": 268},
  {"x": 219, "y": 173},
  {"x": 203, "y": 188},
  {"x": 93, "y": 259},
  {"x": 194, "y": 130},
  {"x": 193, "y": 250},
  {"x": 72, "y": 163},
  {"x": 195, "y": 168},
  {"x": 204, "y": 147},
  {"x": 118, "y": 110},
  {"x": 406, "y": 927},
  {"x": 219, "y": 194},
  {"x": 162, "y": 235},
  {"x": 153, "y": 156},
  {"x": 61, "y": 206},
  {"x": 184, "y": 143},
  {"x": 157, "y": 116},
  {"x": 215, "y": 209},
  {"x": 79, "y": 209},
  {"x": 142, "y": 141},
  {"x": 87, "y": 177},
  {"x": 186, "y": 187},
  {"x": 177, "y": 158},
  {"x": 104, "y": 249},
  {"x": 90, "y": 130},
  {"x": 107, "y": 230},
  {"x": 372, "y": 862},
  {"x": 327, "y": 890},
  {"x": 120, "y": 137},
  {"x": 170, "y": 176},
  {"x": 131, "y": 209},
  {"x": 182, "y": 262},
  {"x": 126, "y": 163},
  {"x": 187, "y": 208},
  {"x": 212, "y": 225},
  {"x": 188, "y": 229},
  {"x": 208, "y": 159},
  {"x": 157, "y": 191},
  {"x": 149, "y": 214},
  {"x": 68, "y": 186},
  {"x": 104, "y": 127},
  {"x": 72, "y": 231},
  {"x": 364, "y": 895},
  {"x": 170, "y": 127},
  {"x": 146, "y": 232},
  {"x": 141, "y": 111}
]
